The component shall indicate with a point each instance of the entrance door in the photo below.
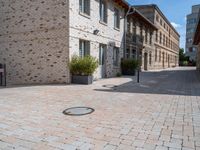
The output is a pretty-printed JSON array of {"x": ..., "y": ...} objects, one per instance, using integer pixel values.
[
  {"x": 168, "y": 61},
  {"x": 163, "y": 61},
  {"x": 102, "y": 58},
  {"x": 145, "y": 61}
]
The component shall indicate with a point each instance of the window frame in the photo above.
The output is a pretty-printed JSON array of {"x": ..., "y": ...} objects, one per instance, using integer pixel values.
[
  {"x": 83, "y": 45},
  {"x": 102, "y": 55},
  {"x": 116, "y": 18},
  {"x": 116, "y": 57},
  {"x": 82, "y": 9},
  {"x": 103, "y": 11}
]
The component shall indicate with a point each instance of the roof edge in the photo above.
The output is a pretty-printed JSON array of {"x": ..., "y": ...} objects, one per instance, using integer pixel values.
[{"x": 161, "y": 13}]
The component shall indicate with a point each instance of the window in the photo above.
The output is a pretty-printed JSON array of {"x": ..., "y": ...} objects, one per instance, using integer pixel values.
[
  {"x": 157, "y": 18},
  {"x": 150, "y": 38},
  {"x": 156, "y": 54},
  {"x": 191, "y": 21},
  {"x": 134, "y": 29},
  {"x": 116, "y": 18},
  {"x": 159, "y": 55},
  {"x": 128, "y": 26},
  {"x": 133, "y": 54},
  {"x": 160, "y": 38},
  {"x": 102, "y": 50},
  {"x": 189, "y": 40},
  {"x": 166, "y": 41},
  {"x": 190, "y": 30},
  {"x": 156, "y": 36},
  {"x": 163, "y": 39},
  {"x": 161, "y": 22},
  {"x": 150, "y": 59},
  {"x": 116, "y": 56},
  {"x": 146, "y": 36},
  {"x": 166, "y": 57},
  {"x": 84, "y": 6},
  {"x": 141, "y": 31},
  {"x": 84, "y": 48},
  {"x": 127, "y": 53},
  {"x": 103, "y": 11}
]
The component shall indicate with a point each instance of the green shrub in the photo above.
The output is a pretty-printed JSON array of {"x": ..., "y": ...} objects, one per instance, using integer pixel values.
[
  {"x": 118, "y": 74},
  {"x": 185, "y": 63},
  {"x": 83, "y": 66},
  {"x": 129, "y": 64}
]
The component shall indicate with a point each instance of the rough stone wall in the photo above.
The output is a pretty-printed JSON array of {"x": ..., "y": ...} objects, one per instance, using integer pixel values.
[
  {"x": 34, "y": 41},
  {"x": 82, "y": 27}
]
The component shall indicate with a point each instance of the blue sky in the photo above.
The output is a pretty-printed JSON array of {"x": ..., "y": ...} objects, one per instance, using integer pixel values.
[{"x": 174, "y": 10}]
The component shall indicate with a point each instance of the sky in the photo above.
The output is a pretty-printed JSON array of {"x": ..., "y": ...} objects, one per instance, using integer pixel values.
[{"x": 175, "y": 11}]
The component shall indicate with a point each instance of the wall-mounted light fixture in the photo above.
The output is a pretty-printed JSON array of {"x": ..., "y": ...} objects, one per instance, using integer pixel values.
[{"x": 96, "y": 32}]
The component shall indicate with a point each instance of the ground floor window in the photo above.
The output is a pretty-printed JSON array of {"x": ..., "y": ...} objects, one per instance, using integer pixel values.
[
  {"x": 127, "y": 53},
  {"x": 84, "y": 48},
  {"x": 156, "y": 54},
  {"x": 102, "y": 50},
  {"x": 166, "y": 57},
  {"x": 159, "y": 56},
  {"x": 133, "y": 54},
  {"x": 150, "y": 59},
  {"x": 116, "y": 56}
]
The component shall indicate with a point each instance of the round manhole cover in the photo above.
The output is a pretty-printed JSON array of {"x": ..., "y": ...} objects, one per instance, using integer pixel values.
[{"x": 78, "y": 111}]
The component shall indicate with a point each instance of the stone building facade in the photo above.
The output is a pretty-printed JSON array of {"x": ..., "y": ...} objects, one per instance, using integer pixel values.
[
  {"x": 166, "y": 37},
  {"x": 139, "y": 39},
  {"x": 101, "y": 35},
  {"x": 197, "y": 41},
  {"x": 38, "y": 38}
]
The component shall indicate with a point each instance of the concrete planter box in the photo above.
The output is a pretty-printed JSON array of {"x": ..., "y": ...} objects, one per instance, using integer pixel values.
[
  {"x": 128, "y": 72},
  {"x": 82, "y": 79}
]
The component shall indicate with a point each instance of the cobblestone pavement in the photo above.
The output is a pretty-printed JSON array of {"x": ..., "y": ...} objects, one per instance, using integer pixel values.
[{"x": 162, "y": 112}]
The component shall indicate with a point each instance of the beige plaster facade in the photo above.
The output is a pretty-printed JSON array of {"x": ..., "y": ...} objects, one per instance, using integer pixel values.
[
  {"x": 166, "y": 39},
  {"x": 82, "y": 27},
  {"x": 140, "y": 40}
]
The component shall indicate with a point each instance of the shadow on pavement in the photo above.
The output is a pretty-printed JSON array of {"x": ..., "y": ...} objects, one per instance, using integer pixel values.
[{"x": 177, "y": 82}]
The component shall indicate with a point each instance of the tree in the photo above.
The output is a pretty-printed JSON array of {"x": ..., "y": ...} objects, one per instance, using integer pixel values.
[
  {"x": 183, "y": 59},
  {"x": 181, "y": 55}
]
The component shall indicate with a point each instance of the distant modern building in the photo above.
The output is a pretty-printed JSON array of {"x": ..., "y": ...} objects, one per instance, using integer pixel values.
[
  {"x": 190, "y": 31},
  {"x": 197, "y": 41},
  {"x": 166, "y": 39}
]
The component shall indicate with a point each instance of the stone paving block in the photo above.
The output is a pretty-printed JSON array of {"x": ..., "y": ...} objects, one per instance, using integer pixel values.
[
  {"x": 165, "y": 116},
  {"x": 110, "y": 147},
  {"x": 161, "y": 148},
  {"x": 188, "y": 144}
]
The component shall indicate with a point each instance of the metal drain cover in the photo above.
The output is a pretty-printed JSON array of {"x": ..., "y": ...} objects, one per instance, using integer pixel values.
[{"x": 78, "y": 111}]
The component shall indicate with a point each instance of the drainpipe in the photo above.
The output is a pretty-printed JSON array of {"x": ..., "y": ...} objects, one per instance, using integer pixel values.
[
  {"x": 125, "y": 26},
  {"x": 125, "y": 29}
]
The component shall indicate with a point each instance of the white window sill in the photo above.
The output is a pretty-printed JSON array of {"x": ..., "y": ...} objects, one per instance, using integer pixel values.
[
  {"x": 103, "y": 23},
  {"x": 118, "y": 29},
  {"x": 84, "y": 15}
]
